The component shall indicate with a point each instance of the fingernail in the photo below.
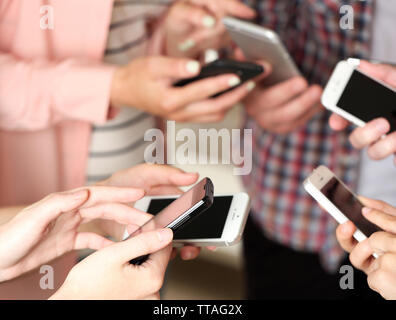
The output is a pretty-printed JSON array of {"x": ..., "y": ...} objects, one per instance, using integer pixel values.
[
  {"x": 193, "y": 67},
  {"x": 164, "y": 235},
  {"x": 208, "y": 21},
  {"x": 250, "y": 86},
  {"x": 366, "y": 211},
  {"x": 186, "y": 45},
  {"x": 382, "y": 126},
  {"x": 234, "y": 81}
]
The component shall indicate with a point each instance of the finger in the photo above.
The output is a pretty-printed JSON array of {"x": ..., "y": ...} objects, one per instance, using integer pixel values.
[
  {"x": 264, "y": 119},
  {"x": 371, "y": 132},
  {"x": 344, "y": 233},
  {"x": 361, "y": 256},
  {"x": 381, "y": 72},
  {"x": 173, "y": 254},
  {"x": 383, "y": 148},
  {"x": 99, "y": 194},
  {"x": 238, "y": 54},
  {"x": 286, "y": 128},
  {"x": 88, "y": 240},
  {"x": 173, "y": 68},
  {"x": 120, "y": 213},
  {"x": 189, "y": 252},
  {"x": 208, "y": 118},
  {"x": 165, "y": 175},
  {"x": 297, "y": 107},
  {"x": 193, "y": 16},
  {"x": 140, "y": 245},
  {"x": 204, "y": 38},
  {"x": 378, "y": 205},
  {"x": 200, "y": 90},
  {"x": 278, "y": 94},
  {"x": 383, "y": 220},
  {"x": 57, "y": 203},
  {"x": 217, "y": 106},
  {"x": 337, "y": 122},
  {"x": 165, "y": 190},
  {"x": 383, "y": 242},
  {"x": 238, "y": 9},
  {"x": 227, "y": 7}
]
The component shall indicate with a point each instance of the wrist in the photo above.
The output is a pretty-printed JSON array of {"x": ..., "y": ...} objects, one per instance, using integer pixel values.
[{"x": 116, "y": 91}]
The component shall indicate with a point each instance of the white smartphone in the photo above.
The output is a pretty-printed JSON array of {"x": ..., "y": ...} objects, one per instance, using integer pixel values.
[
  {"x": 259, "y": 43},
  {"x": 357, "y": 97},
  {"x": 220, "y": 225},
  {"x": 339, "y": 201}
]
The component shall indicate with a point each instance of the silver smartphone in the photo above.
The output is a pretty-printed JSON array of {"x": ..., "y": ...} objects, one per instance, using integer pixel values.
[{"x": 259, "y": 43}]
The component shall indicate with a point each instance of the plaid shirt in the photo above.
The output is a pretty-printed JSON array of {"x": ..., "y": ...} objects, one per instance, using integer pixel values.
[{"x": 286, "y": 213}]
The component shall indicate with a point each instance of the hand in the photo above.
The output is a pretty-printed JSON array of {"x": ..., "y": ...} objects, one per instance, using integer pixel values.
[
  {"x": 284, "y": 107},
  {"x": 155, "y": 180},
  {"x": 48, "y": 229},
  {"x": 107, "y": 274},
  {"x": 147, "y": 84},
  {"x": 193, "y": 26},
  {"x": 382, "y": 271},
  {"x": 371, "y": 134}
]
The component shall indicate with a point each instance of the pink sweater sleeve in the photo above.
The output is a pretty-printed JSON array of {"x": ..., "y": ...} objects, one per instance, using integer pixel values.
[{"x": 36, "y": 94}]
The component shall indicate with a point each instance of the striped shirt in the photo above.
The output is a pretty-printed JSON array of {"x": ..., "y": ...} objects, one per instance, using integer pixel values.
[{"x": 119, "y": 144}]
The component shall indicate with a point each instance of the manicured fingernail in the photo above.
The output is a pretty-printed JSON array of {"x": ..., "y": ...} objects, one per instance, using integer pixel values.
[
  {"x": 208, "y": 21},
  {"x": 250, "y": 86},
  {"x": 192, "y": 67},
  {"x": 234, "y": 81},
  {"x": 366, "y": 211},
  {"x": 186, "y": 45},
  {"x": 164, "y": 235},
  {"x": 382, "y": 126}
]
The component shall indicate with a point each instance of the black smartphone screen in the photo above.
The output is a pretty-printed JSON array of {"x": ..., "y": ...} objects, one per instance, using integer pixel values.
[
  {"x": 209, "y": 224},
  {"x": 349, "y": 205},
  {"x": 367, "y": 99}
]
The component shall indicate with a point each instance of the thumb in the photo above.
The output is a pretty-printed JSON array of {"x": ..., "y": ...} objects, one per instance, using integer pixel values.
[
  {"x": 140, "y": 245},
  {"x": 176, "y": 68}
]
